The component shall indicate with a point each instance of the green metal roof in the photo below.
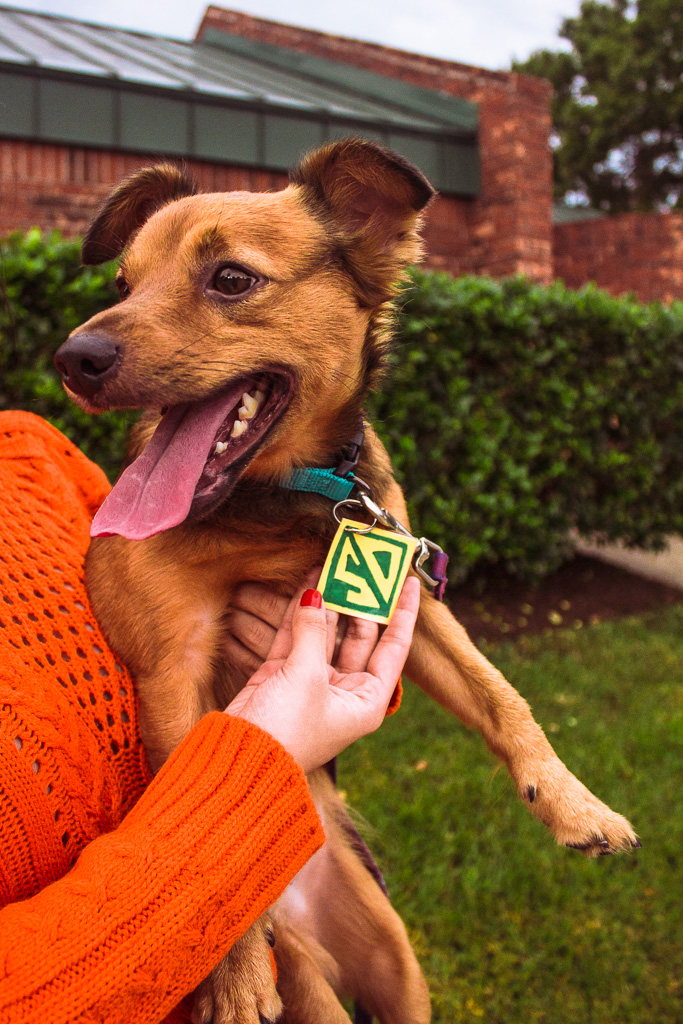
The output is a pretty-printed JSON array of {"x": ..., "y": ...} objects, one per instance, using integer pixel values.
[
  {"x": 563, "y": 213},
  {"x": 223, "y": 98},
  {"x": 450, "y": 112}
]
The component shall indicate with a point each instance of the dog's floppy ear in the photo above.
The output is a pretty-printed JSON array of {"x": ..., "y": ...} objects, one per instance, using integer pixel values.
[
  {"x": 370, "y": 200},
  {"x": 129, "y": 206}
]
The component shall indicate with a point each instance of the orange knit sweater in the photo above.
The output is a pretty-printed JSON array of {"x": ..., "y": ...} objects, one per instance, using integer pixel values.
[{"x": 118, "y": 895}]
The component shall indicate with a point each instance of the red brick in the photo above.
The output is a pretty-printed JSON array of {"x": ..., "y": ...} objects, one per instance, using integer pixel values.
[{"x": 639, "y": 252}]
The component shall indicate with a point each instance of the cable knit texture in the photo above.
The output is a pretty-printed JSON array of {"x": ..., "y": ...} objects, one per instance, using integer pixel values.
[{"x": 118, "y": 895}]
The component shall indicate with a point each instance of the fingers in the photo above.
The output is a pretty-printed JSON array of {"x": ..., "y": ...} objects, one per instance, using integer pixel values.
[
  {"x": 240, "y": 656},
  {"x": 332, "y": 619},
  {"x": 261, "y": 601},
  {"x": 264, "y": 602},
  {"x": 342, "y": 623},
  {"x": 310, "y": 635},
  {"x": 251, "y": 634},
  {"x": 282, "y": 644},
  {"x": 357, "y": 645},
  {"x": 389, "y": 656}
]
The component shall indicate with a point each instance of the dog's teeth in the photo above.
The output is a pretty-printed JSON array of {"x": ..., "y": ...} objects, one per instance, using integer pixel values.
[
  {"x": 220, "y": 447},
  {"x": 259, "y": 396},
  {"x": 239, "y": 427},
  {"x": 249, "y": 407}
]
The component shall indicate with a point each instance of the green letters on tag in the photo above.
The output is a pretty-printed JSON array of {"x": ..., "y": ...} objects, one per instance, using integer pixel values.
[{"x": 364, "y": 572}]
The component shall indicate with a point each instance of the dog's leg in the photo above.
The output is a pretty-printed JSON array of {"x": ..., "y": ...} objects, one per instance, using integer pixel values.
[
  {"x": 335, "y": 901},
  {"x": 445, "y": 664},
  {"x": 303, "y": 970},
  {"x": 241, "y": 990}
]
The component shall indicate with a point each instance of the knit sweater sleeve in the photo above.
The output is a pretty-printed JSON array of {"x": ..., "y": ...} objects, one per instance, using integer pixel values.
[
  {"x": 119, "y": 892},
  {"x": 149, "y": 909}
]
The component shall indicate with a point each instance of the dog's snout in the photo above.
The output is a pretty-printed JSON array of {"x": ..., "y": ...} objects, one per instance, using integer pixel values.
[{"x": 86, "y": 362}]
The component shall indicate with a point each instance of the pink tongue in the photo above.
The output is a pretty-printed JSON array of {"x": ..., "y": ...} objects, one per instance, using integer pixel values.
[{"x": 156, "y": 491}]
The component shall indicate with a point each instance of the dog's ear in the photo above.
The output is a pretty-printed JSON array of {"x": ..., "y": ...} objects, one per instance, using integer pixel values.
[
  {"x": 129, "y": 206},
  {"x": 370, "y": 200}
]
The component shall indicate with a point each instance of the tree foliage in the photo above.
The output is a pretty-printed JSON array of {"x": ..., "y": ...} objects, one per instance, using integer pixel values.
[{"x": 618, "y": 104}]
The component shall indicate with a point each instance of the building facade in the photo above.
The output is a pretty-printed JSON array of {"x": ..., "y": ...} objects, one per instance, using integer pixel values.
[{"x": 81, "y": 106}]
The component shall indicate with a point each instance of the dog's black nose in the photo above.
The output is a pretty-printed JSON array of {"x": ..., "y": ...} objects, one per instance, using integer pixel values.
[{"x": 86, "y": 362}]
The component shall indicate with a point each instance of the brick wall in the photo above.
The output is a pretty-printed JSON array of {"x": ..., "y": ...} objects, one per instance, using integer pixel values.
[
  {"x": 53, "y": 186},
  {"x": 638, "y": 252},
  {"x": 507, "y": 229},
  {"x": 62, "y": 186}
]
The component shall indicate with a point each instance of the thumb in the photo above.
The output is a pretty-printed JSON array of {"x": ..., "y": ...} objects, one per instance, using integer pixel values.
[{"x": 309, "y": 632}]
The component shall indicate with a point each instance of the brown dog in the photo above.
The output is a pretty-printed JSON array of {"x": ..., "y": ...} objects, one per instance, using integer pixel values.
[{"x": 284, "y": 296}]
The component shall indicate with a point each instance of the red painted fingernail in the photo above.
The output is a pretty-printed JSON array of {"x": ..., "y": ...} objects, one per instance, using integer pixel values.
[{"x": 311, "y": 599}]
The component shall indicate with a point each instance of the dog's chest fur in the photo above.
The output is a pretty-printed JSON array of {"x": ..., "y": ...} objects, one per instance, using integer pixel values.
[{"x": 163, "y": 602}]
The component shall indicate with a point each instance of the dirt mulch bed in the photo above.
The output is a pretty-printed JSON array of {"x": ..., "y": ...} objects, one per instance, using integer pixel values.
[{"x": 580, "y": 593}]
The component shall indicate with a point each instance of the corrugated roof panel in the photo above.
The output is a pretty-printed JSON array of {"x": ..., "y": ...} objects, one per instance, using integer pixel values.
[
  {"x": 67, "y": 45},
  {"x": 119, "y": 59},
  {"x": 20, "y": 29},
  {"x": 10, "y": 52},
  {"x": 431, "y": 105},
  {"x": 213, "y": 77},
  {"x": 275, "y": 84},
  {"x": 65, "y": 41},
  {"x": 316, "y": 94},
  {"x": 197, "y": 74}
]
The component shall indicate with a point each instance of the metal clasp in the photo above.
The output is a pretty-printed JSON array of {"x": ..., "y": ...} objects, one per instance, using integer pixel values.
[{"x": 426, "y": 548}]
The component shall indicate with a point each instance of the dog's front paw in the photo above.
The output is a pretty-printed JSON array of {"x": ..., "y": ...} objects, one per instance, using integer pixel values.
[
  {"x": 241, "y": 990},
  {"x": 574, "y": 816}
]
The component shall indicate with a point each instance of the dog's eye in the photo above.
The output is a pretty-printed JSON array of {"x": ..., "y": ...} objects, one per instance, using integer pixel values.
[
  {"x": 232, "y": 281},
  {"x": 123, "y": 287}
]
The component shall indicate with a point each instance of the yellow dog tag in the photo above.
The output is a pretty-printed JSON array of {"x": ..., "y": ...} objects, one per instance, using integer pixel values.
[{"x": 364, "y": 571}]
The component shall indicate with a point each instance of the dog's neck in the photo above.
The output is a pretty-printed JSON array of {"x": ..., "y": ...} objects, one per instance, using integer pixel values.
[{"x": 265, "y": 502}]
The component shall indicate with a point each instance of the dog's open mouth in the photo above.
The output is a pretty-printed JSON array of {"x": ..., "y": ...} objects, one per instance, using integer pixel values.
[{"x": 194, "y": 458}]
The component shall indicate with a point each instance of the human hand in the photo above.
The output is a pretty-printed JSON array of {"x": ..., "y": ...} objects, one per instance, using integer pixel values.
[
  {"x": 256, "y": 614},
  {"x": 313, "y": 709}
]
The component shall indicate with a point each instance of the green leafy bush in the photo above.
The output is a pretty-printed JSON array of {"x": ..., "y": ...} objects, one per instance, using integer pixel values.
[
  {"x": 517, "y": 413},
  {"x": 514, "y": 413},
  {"x": 44, "y": 294}
]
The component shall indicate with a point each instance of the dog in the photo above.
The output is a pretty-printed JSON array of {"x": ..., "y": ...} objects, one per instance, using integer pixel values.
[{"x": 279, "y": 305}]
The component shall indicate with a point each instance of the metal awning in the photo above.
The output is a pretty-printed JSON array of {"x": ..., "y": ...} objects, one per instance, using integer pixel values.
[
  {"x": 223, "y": 98},
  {"x": 565, "y": 214}
]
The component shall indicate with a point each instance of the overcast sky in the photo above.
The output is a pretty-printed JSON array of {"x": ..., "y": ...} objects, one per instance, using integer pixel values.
[{"x": 488, "y": 33}]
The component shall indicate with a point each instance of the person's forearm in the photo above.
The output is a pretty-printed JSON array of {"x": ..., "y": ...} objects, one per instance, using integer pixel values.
[{"x": 151, "y": 908}]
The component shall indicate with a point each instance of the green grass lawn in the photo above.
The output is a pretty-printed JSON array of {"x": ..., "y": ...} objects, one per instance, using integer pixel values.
[{"x": 508, "y": 926}]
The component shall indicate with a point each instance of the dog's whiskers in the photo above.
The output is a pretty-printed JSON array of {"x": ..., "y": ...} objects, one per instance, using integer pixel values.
[
  {"x": 338, "y": 375},
  {"x": 196, "y": 341}
]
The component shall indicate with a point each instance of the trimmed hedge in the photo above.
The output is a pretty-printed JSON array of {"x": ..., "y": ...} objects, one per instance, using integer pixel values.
[
  {"x": 44, "y": 294},
  {"x": 514, "y": 414},
  {"x": 518, "y": 413}
]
